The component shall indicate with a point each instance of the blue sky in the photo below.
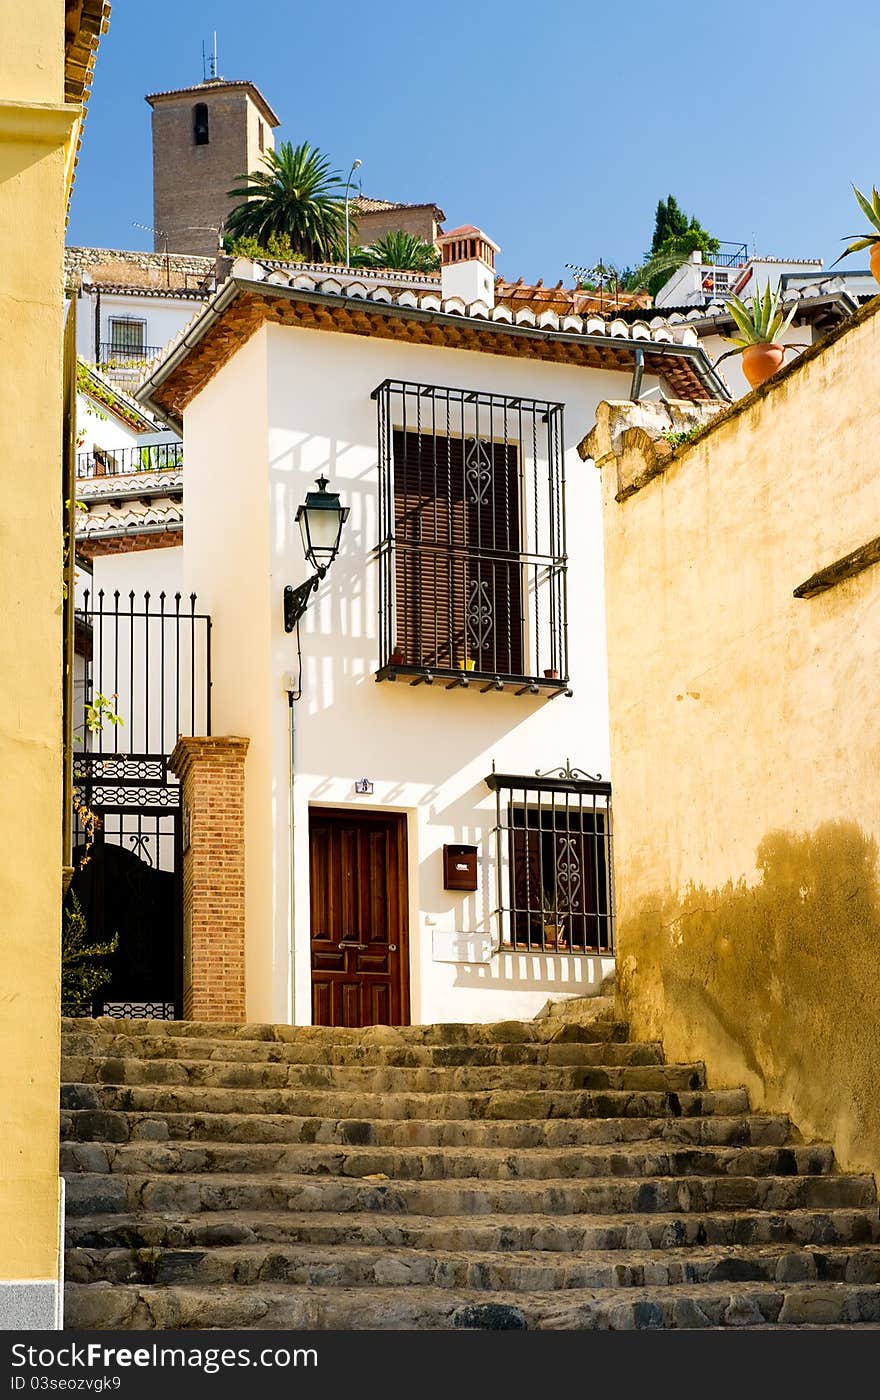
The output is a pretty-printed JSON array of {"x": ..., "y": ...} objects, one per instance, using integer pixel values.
[{"x": 555, "y": 127}]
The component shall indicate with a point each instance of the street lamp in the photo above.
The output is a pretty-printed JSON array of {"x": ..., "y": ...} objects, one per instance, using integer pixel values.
[
  {"x": 320, "y": 519},
  {"x": 355, "y": 165}
]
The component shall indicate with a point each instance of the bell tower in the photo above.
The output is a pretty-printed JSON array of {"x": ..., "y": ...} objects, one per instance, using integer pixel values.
[{"x": 204, "y": 138}]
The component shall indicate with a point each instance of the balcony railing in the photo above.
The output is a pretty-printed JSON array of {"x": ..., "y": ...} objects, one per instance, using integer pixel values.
[
  {"x": 728, "y": 255},
  {"x": 126, "y": 356},
  {"x": 125, "y": 365},
  {"x": 472, "y": 562},
  {"x": 161, "y": 456}
]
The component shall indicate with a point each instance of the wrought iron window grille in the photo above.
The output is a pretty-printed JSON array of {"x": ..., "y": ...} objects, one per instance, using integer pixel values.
[
  {"x": 552, "y": 848},
  {"x": 472, "y": 552}
]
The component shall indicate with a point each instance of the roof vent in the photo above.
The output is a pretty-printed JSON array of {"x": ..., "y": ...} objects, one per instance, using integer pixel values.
[{"x": 467, "y": 265}]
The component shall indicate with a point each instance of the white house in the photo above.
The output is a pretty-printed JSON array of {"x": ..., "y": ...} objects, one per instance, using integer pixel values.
[{"x": 427, "y": 818}]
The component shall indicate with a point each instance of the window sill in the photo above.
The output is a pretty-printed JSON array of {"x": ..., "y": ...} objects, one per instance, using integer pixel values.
[{"x": 483, "y": 681}]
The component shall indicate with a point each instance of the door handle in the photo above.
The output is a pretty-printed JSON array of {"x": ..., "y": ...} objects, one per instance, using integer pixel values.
[
  {"x": 350, "y": 943},
  {"x": 392, "y": 947}
]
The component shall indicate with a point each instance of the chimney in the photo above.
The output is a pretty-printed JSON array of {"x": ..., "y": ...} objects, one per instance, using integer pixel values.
[{"x": 467, "y": 265}]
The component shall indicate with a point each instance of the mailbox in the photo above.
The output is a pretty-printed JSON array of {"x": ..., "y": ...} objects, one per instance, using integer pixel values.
[{"x": 459, "y": 867}]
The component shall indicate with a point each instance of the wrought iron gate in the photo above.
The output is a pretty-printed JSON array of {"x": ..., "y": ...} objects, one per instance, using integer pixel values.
[{"x": 149, "y": 658}]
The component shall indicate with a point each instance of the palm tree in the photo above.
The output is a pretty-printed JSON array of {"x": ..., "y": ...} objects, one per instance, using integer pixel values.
[
  {"x": 405, "y": 252},
  {"x": 297, "y": 195}
]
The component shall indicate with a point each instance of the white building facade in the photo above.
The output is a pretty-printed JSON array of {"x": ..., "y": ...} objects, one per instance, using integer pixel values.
[{"x": 376, "y": 778}]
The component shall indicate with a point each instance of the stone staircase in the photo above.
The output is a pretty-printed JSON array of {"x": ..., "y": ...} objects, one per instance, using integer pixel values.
[{"x": 546, "y": 1174}]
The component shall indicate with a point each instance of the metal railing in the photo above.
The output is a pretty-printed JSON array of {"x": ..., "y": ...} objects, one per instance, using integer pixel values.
[
  {"x": 118, "y": 461},
  {"x": 553, "y": 862},
  {"x": 150, "y": 658},
  {"x": 472, "y": 556},
  {"x": 126, "y": 356},
  {"x": 728, "y": 255}
]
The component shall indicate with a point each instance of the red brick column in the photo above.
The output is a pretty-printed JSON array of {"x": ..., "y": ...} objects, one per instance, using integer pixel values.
[{"x": 211, "y": 773}]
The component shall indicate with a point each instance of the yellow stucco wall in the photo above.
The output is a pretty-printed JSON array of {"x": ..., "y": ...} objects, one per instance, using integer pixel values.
[
  {"x": 746, "y": 746},
  {"x": 35, "y": 132}
]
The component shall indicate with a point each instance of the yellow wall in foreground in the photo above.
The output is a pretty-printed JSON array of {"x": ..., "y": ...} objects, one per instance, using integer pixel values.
[
  {"x": 746, "y": 747},
  {"x": 34, "y": 146}
]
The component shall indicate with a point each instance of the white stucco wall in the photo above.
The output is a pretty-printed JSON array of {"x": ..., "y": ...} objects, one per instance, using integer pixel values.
[
  {"x": 291, "y": 404},
  {"x": 163, "y": 318}
]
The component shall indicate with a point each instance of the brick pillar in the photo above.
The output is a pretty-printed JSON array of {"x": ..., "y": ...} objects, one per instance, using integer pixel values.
[{"x": 211, "y": 773}]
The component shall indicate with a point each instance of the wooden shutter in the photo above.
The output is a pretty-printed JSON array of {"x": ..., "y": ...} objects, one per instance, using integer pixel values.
[{"x": 457, "y": 562}]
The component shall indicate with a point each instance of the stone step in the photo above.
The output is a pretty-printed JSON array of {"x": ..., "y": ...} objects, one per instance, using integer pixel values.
[
  {"x": 443, "y": 1163},
  {"x": 600, "y": 1024},
  {"x": 358, "y": 1266},
  {"x": 96, "y": 1125},
  {"x": 303, "y": 1307},
  {"x": 501, "y": 1233},
  {"x": 90, "y": 1193},
  {"x": 77, "y": 1046},
  {"x": 485, "y": 1104},
  {"x": 380, "y": 1079}
]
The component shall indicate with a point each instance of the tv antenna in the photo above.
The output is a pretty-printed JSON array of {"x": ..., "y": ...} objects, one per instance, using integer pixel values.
[
  {"x": 158, "y": 233},
  {"x": 209, "y": 61}
]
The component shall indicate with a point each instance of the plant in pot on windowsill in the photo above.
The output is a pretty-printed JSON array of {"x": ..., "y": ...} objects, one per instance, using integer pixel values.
[
  {"x": 760, "y": 321},
  {"x": 397, "y": 654},
  {"x": 871, "y": 210},
  {"x": 553, "y": 923}
]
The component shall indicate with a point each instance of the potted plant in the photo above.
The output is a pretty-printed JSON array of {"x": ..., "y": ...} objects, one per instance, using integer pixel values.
[
  {"x": 760, "y": 322},
  {"x": 554, "y": 923},
  {"x": 397, "y": 654},
  {"x": 871, "y": 210},
  {"x": 551, "y": 674}
]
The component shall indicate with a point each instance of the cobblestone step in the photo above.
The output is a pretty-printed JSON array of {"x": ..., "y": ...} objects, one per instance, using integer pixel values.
[
  {"x": 338, "y": 1103},
  {"x": 444, "y": 1163},
  {"x": 202, "y": 1073},
  {"x": 566, "y": 1233},
  {"x": 293, "y": 1307},
  {"x": 89, "y": 1193},
  {"x": 107, "y": 1126},
  {"x": 80, "y": 1046},
  {"x": 595, "y": 1022},
  {"x": 359, "y": 1266}
]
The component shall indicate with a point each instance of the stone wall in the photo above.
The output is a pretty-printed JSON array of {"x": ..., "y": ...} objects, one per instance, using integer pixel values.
[
  {"x": 119, "y": 267},
  {"x": 744, "y": 738}
]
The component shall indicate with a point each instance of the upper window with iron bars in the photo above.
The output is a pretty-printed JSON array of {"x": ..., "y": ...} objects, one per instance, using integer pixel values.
[{"x": 472, "y": 559}]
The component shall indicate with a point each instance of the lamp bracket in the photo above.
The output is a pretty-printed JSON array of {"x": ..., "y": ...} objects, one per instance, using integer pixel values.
[{"x": 296, "y": 600}]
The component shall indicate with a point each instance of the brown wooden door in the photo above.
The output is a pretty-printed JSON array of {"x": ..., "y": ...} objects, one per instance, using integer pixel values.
[{"x": 359, "y": 923}]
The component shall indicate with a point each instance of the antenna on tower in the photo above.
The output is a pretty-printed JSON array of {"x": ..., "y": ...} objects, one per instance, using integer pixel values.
[{"x": 209, "y": 61}]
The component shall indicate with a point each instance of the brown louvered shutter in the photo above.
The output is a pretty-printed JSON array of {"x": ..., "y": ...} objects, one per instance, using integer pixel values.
[{"x": 457, "y": 536}]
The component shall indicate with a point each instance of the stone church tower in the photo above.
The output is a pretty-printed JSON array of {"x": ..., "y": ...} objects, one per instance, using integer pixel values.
[{"x": 204, "y": 138}]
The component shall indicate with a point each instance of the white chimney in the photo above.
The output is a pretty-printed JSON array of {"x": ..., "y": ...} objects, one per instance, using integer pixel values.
[{"x": 467, "y": 265}]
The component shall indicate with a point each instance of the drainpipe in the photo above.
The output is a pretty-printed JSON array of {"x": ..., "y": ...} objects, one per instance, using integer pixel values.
[{"x": 293, "y": 694}]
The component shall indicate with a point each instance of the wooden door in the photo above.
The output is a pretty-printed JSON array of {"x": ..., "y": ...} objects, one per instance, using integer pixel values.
[{"x": 359, "y": 923}]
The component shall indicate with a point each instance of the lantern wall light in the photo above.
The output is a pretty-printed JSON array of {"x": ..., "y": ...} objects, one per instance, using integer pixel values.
[{"x": 320, "y": 519}]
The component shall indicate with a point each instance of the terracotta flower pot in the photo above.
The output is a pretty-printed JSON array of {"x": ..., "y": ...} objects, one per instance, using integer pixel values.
[
  {"x": 760, "y": 361},
  {"x": 875, "y": 261}
]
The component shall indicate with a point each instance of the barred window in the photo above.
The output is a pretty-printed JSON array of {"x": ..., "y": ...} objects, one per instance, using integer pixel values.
[
  {"x": 472, "y": 553},
  {"x": 553, "y": 860}
]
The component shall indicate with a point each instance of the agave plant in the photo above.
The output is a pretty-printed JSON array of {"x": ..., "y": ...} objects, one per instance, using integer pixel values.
[
  {"x": 871, "y": 210},
  {"x": 762, "y": 319}
]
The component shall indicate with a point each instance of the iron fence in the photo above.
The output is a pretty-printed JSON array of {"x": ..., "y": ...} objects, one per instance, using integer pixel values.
[
  {"x": 117, "y": 356},
  {"x": 149, "y": 657}
]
